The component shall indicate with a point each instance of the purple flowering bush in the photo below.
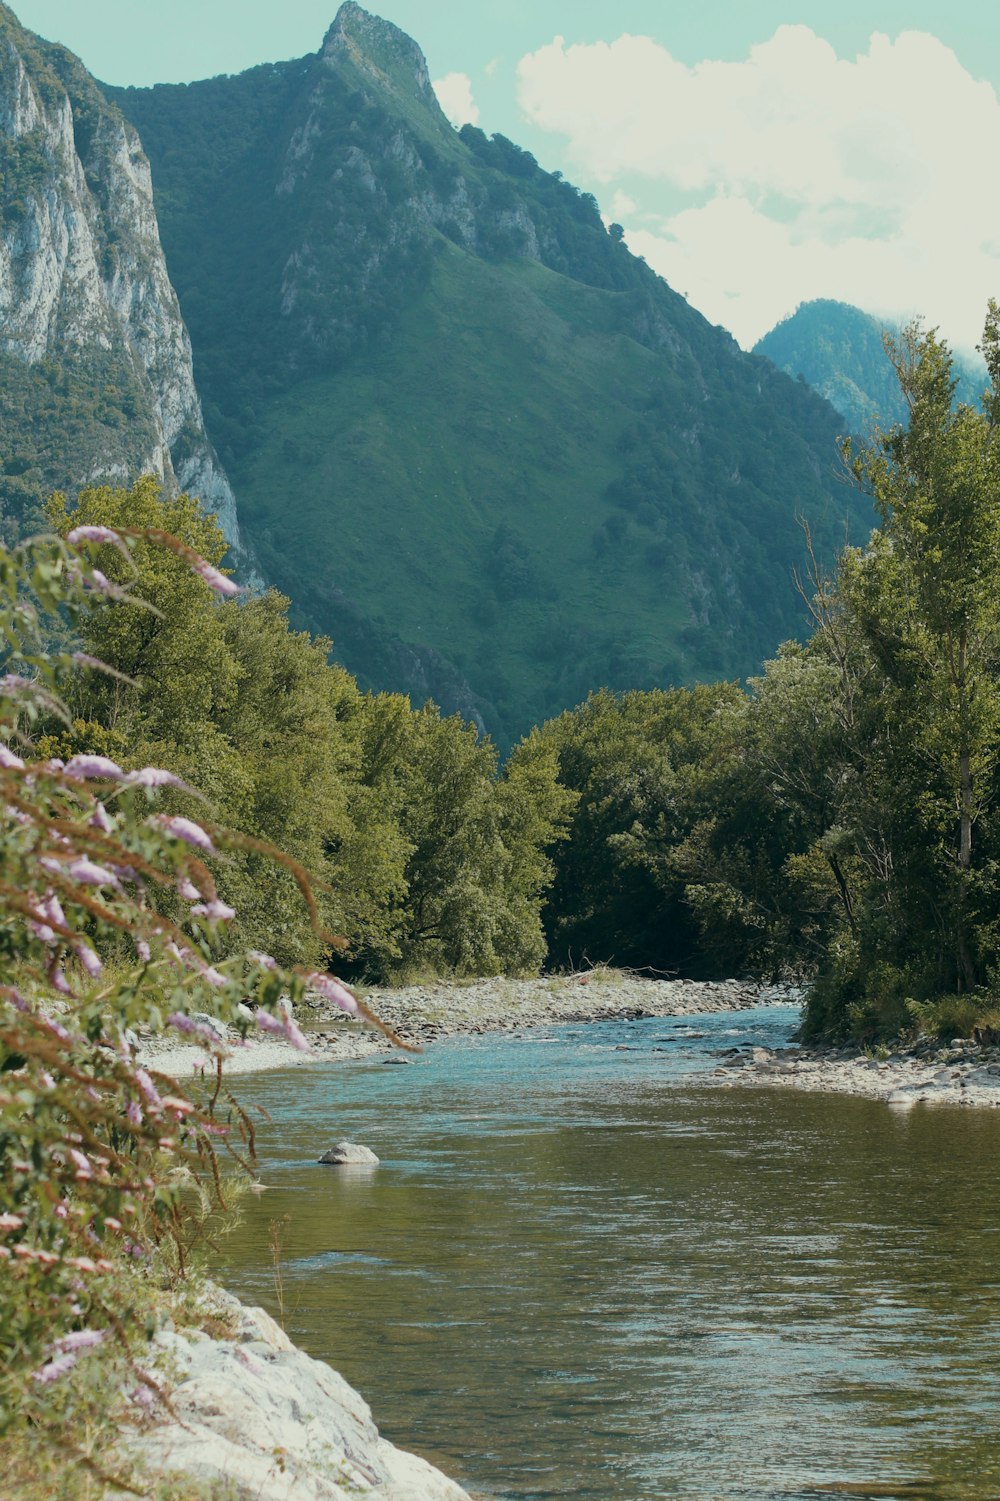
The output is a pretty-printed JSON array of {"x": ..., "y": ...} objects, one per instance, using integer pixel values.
[{"x": 97, "y": 1153}]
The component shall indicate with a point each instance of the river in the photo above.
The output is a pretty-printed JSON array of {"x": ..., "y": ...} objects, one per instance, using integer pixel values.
[{"x": 584, "y": 1270}]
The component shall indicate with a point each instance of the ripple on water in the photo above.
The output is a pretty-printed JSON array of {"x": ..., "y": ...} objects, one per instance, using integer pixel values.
[{"x": 585, "y": 1272}]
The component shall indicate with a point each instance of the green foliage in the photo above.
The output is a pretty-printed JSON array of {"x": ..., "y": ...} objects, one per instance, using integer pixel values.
[
  {"x": 420, "y": 854},
  {"x": 60, "y": 419},
  {"x": 840, "y": 820}
]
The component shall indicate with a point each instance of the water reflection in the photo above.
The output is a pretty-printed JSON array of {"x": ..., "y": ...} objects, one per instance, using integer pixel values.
[{"x": 583, "y": 1272}]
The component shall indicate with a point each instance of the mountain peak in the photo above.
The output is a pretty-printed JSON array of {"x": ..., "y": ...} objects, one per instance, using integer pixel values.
[{"x": 377, "y": 46}]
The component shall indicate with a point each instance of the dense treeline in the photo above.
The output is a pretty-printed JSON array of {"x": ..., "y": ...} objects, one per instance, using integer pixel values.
[
  {"x": 839, "y": 819},
  {"x": 833, "y": 820},
  {"x": 424, "y": 857}
]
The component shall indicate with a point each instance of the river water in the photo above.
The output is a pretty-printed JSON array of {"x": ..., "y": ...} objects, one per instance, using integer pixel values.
[{"x": 583, "y": 1270}]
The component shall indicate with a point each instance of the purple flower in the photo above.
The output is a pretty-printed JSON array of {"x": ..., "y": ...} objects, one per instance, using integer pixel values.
[
  {"x": 142, "y": 949},
  {"x": 51, "y": 907},
  {"x": 214, "y": 579},
  {"x": 190, "y": 832},
  {"x": 213, "y": 977},
  {"x": 285, "y": 1025},
  {"x": 92, "y": 534},
  {"x": 133, "y": 1113},
  {"x": 155, "y": 776},
  {"x": 88, "y": 959},
  {"x": 264, "y": 960},
  {"x": 186, "y": 1024},
  {"x": 54, "y": 1369},
  {"x": 8, "y": 760},
  {"x": 148, "y": 1089},
  {"x": 58, "y": 980},
  {"x": 86, "y": 873},
  {"x": 56, "y": 1028},
  {"x": 84, "y": 659},
  {"x": 216, "y": 910},
  {"x": 81, "y": 1163},
  {"x": 188, "y": 890},
  {"x": 80, "y": 768},
  {"x": 13, "y": 680},
  {"x": 81, "y": 1339},
  {"x": 100, "y": 582},
  {"x": 332, "y": 990},
  {"x": 99, "y": 819},
  {"x": 295, "y": 1037}
]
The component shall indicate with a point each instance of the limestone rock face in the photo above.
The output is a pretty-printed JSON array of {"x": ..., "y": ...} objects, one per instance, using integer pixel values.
[
  {"x": 257, "y": 1414},
  {"x": 94, "y": 350}
]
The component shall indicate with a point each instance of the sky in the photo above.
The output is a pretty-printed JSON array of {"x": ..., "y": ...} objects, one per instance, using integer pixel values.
[{"x": 758, "y": 153}]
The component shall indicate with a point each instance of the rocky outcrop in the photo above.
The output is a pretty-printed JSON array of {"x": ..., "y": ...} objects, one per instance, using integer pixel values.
[
  {"x": 86, "y": 304},
  {"x": 258, "y": 1417}
]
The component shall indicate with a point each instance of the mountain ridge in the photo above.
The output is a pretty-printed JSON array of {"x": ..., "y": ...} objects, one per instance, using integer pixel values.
[
  {"x": 839, "y": 350},
  {"x": 464, "y": 422}
]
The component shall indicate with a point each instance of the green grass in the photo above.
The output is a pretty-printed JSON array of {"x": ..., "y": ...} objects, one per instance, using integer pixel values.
[{"x": 501, "y": 402}]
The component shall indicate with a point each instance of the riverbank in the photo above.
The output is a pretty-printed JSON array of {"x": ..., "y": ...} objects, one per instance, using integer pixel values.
[
  {"x": 959, "y": 1073},
  {"x": 251, "y": 1416},
  {"x": 927, "y": 1072},
  {"x": 422, "y": 1014}
]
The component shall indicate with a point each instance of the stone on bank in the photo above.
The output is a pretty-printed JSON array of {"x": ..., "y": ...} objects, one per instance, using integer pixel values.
[{"x": 258, "y": 1416}]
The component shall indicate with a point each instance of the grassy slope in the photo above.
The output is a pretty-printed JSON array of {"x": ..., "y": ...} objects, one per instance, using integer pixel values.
[{"x": 489, "y": 408}]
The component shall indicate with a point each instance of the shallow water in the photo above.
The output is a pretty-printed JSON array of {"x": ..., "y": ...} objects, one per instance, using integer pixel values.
[{"x": 584, "y": 1271}]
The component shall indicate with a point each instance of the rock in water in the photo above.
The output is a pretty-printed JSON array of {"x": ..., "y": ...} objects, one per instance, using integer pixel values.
[{"x": 349, "y": 1154}]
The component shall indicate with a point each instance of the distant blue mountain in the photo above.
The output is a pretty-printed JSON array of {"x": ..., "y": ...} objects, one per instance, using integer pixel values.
[{"x": 837, "y": 349}]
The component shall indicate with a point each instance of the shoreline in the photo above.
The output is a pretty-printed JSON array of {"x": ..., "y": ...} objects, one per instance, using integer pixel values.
[
  {"x": 422, "y": 1014},
  {"x": 251, "y": 1413},
  {"x": 959, "y": 1073},
  {"x": 929, "y": 1072}
]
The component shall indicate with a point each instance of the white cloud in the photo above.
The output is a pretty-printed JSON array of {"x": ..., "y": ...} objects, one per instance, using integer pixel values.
[
  {"x": 802, "y": 174},
  {"x": 622, "y": 205},
  {"x": 454, "y": 93}
]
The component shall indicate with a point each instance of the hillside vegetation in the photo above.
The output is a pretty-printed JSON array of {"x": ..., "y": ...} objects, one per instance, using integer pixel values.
[{"x": 473, "y": 438}]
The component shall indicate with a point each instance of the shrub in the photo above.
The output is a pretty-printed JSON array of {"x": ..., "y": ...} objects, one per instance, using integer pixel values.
[{"x": 98, "y": 1156}]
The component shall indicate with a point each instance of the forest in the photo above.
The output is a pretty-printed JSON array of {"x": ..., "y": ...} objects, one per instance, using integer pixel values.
[{"x": 832, "y": 820}]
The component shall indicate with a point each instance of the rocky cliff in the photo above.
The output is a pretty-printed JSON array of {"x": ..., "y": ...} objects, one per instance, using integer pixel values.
[{"x": 97, "y": 380}]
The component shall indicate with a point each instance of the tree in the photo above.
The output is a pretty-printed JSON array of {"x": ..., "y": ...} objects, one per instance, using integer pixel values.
[{"x": 923, "y": 602}]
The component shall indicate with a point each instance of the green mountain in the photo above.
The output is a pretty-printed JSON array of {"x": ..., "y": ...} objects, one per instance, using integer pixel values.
[
  {"x": 474, "y": 438},
  {"x": 95, "y": 364},
  {"x": 839, "y": 351}
]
